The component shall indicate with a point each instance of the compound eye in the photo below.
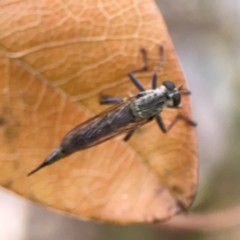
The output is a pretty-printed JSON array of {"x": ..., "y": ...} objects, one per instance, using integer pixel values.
[
  {"x": 176, "y": 99},
  {"x": 169, "y": 85}
]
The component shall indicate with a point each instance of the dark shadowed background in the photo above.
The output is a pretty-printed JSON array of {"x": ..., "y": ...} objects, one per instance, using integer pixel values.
[{"x": 206, "y": 37}]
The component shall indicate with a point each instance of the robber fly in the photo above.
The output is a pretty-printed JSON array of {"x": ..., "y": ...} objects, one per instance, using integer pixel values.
[{"x": 125, "y": 117}]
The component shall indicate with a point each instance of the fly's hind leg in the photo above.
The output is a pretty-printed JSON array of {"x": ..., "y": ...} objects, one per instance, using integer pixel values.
[{"x": 175, "y": 120}]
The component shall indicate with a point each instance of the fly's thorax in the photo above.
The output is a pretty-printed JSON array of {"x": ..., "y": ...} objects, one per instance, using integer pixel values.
[{"x": 150, "y": 103}]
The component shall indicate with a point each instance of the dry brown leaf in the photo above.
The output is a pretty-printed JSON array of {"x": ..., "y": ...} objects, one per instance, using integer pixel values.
[{"x": 56, "y": 58}]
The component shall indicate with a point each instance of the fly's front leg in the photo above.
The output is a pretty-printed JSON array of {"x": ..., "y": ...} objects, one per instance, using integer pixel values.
[
  {"x": 145, "y": 62},
  {"x": 175, "y": 120},
  {"x": 136, "y": 82},
  {"x": 184, "y": 118},
  {"x": 143, "y": 68},
  {"x": 154, "y": 80},
  {"x": 110, "y": 100},
  {"x": 162, "y": 57}
]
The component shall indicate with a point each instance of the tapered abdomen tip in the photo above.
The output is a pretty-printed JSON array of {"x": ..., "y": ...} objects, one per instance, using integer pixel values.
[
  {"x": 55, "y": 156},
  {"x": 38, "y": 168}
]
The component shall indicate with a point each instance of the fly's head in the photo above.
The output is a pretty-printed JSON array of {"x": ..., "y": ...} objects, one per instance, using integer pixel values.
[{"x": 172, "y": 94}]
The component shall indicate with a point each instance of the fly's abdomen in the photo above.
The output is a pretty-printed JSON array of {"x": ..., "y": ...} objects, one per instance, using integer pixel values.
[{"x": 99, "y": 129}]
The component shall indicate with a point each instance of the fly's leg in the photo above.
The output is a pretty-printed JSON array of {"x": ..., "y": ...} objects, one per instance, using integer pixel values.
[
  {"x": 162, "y": 57},
  {"x": 175, "y": 120},
  {"x": 143, "y": 68},
  {"x": 129, "y": 135},
  {"x": 161, "y": 124},
  {"x": 110, "y": 100},
  {"x": 159, "y": 67},
  {"x": 154, "y": 80},
  {"x": 136, "y": 82},
  {"x": 184, "y": 118},
  {"x": 145, "y": 62}
]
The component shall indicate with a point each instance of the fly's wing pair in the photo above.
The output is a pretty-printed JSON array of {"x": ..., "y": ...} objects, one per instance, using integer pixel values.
[{"x": 104, "y": 126}]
